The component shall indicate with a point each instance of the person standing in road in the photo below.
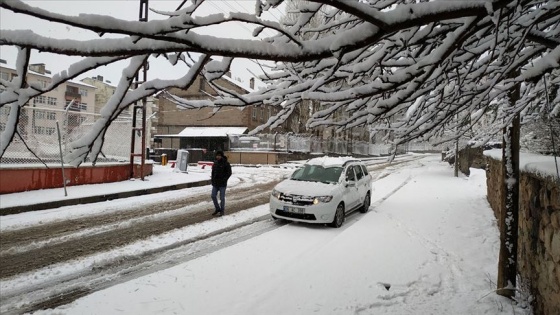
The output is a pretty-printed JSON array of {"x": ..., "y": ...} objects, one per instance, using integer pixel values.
[{"x": 221, "y": 171}]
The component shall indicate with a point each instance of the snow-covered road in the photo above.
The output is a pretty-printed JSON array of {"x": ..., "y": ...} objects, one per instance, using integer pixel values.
[{"x": 428, "y": 246}]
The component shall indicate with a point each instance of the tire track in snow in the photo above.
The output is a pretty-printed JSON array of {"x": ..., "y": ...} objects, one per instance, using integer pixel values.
[
  {"x": 378, "y": 202},
  {"x": 25, "y": 236},
  {"x": 60, "y": 291},
  {"x": 201, "y": 207},
  {"x": 14, "y": 264}
]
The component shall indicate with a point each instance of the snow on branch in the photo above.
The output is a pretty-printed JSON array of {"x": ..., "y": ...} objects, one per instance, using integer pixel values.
[{"x": 412, "y": 68}]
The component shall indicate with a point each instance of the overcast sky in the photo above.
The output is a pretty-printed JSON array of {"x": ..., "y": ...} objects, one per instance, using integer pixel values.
[{"x": 128, "y": 10}]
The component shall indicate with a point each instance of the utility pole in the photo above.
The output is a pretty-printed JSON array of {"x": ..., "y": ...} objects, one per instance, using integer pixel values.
[{"x": 142, "y": 17}]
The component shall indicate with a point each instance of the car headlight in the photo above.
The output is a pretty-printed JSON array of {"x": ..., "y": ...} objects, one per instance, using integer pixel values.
[
  {"x": 322, "y": 199},
  {"x": 276, "y": 194}
]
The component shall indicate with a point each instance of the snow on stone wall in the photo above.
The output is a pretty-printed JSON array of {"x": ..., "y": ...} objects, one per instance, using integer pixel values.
[{"x": 539, "y": 231}]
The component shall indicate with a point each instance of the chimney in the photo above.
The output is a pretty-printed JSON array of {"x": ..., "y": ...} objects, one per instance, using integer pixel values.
[
  {"x": 38, "y": 67},
  {"x": 252, "y": 83},
  {"x": 99, "y": 78}
]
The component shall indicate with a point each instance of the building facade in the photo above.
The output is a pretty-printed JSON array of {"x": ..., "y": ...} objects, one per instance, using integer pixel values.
[
  {"x": 104, "y": 91},
  {"x": 173, "y": 122},
  {"x": 71, "y": 103}
]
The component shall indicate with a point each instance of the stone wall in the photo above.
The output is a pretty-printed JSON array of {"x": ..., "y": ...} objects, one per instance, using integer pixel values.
[
  {"x": 539, "y": 234},
  {"x": 471, "y": 157},
  {"x": 468, "y": 157}
]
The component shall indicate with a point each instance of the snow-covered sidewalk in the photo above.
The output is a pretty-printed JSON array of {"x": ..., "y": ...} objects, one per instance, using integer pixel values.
[{"x": 429, "y": 245}]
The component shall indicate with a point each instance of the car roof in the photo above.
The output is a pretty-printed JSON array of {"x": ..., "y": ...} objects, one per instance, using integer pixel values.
[{"x": 329, "y": 161}]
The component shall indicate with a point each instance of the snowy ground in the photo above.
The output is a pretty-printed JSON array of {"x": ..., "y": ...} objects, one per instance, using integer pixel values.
[{"x": 429, "y": 245}]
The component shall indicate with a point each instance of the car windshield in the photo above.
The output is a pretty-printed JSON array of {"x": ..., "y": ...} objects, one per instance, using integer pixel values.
[{"x": 317, "y": 173}]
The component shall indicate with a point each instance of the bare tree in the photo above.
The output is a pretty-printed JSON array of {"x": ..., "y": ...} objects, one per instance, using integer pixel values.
[{"x": 447, "y": 64}]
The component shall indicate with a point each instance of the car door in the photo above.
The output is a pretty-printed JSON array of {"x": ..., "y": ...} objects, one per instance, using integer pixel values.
[
  {"x": 351, "y": 196},
  {"x": 361, "y": 182},
  {"x": 367, "y": 179}
]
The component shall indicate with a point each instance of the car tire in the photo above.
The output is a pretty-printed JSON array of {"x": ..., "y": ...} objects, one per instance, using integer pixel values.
[
  {"x": 338, "y": 216},
  {"x": 367, "y": 203}
]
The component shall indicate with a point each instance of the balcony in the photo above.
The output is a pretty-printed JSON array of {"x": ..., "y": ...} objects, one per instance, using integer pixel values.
[{"x": 72, "y": 94}]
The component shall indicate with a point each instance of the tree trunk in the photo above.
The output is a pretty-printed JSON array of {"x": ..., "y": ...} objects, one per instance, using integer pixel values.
[
  {"x": 456, "y": 171},
  {"x": 507, "y": 265}
]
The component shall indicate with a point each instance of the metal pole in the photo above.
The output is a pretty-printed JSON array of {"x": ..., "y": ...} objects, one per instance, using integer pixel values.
[
  {"x": 61, "y": 159},
  {"x": 142, "y": 17}
]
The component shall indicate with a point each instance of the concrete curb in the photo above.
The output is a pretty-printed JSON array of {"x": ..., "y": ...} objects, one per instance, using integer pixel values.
[{"x": 98, "y": 198}]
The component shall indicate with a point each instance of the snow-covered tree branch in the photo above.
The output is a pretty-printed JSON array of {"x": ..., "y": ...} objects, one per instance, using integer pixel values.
[{"x": 416, "y": 68}]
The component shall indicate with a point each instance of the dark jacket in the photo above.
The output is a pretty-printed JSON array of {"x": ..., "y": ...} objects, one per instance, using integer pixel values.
[{"x": 221, "y": 171}]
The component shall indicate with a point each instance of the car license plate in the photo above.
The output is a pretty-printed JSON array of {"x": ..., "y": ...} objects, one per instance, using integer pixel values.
[{"x": 294, "y": 209}]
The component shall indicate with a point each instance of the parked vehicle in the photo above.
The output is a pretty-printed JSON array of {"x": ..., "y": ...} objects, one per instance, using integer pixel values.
[{"x": 324, "y": 190}]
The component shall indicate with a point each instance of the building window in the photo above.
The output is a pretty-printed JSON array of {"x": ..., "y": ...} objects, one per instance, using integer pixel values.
[
  {"x": 254, "y": 113},
  {"x": 2, "y": 126},
  {"x": 76, "y": 106},
  {"x": 41, "y": 99},
  {"x": 39, "y": 114},
  {"x": 51, "y": 116},
  {"x": 262, "y": 114},
  {"x": 83, "y": 120},
  {"x": 83, "y": 92},
  {"x": 39, "y": 130},
  {"x": 202, "y": 84},
  {"x": 51, "y": 100},
  {"x": 43, "y": 83},
  {"x": 49, "y": 130},
  {"x": 5, "y": 110},
  {"x": 4, "y": 76}
]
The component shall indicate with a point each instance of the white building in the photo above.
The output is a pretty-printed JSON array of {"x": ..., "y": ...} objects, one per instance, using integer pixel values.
[{"x": 39, "y": 116}]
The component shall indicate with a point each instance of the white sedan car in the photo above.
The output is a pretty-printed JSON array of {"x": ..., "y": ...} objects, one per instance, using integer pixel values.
[{"x": 323, "y": 191}]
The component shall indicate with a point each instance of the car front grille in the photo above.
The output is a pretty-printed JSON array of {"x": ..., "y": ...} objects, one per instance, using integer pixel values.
[
  {"x": 301, "y": 216},
  {"x": 297, "y": 200}
]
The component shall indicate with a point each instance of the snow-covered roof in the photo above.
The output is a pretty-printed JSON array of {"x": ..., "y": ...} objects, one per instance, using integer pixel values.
[
  {"x": 193, "y": 132},
  {"x": 248, "y": 138},
  {"x": 329, "y": 161},
  {"x": 45, "y": 75},
  {"x": 246, "y": 87},
  {"x": 543, "y": 165}
]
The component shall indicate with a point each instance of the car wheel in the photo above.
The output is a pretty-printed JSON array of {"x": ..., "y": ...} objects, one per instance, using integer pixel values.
[
  {"x": 367, "y": 202},
  {"x": 338, "y": 216}
]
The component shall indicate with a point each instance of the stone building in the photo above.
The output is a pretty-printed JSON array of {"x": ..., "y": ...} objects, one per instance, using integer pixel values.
[{"x": 207, "y": 128}]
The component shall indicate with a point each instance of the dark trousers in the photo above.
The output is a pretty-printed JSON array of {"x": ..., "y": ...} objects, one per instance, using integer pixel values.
[{"x": 221, "y": 207}]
